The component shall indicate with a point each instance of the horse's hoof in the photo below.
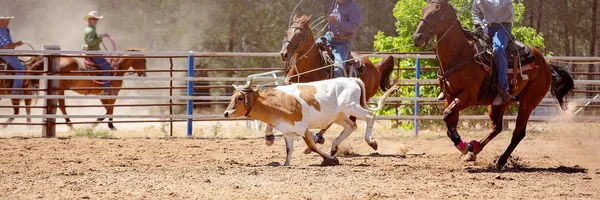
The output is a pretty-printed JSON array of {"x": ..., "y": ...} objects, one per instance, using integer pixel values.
[
  {"x": 500, "y": 163},
  {"x": 330, "y": 162},
  {"x": 307, "y": 151},
  {"x": 470, "y": 157},
  {"x": 462, "y": 147},
  {"x": 374, "y": 145}
]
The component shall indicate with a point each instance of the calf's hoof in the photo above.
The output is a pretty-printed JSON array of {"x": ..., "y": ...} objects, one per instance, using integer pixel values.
[
  {"x": 269, "y": 140},
  {"x": 307, "y": 151},
  {"x": 320, "y": 139},
  {"x": 330, "y": 162},
  {"x": 374, "y": 145}
]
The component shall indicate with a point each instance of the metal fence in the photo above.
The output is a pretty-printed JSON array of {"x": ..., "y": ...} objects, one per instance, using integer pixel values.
[{"x": 50, "y": 76}]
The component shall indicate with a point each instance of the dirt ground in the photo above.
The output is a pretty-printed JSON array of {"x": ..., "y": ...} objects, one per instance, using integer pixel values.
[{"x": 558, "y": 161}]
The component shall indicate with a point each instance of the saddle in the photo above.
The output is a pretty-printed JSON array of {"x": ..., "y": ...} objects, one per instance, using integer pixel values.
[
  {"x": 517, "y": 53},
  {"x": 353, "y": 68}
]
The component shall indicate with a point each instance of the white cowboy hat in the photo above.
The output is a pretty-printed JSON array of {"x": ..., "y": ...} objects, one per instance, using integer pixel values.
[
  {"x": 93, "y": 15},
  {"x": 6, "y": 18}
]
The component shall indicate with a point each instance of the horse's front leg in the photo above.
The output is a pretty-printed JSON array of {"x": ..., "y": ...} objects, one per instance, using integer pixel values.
[{"x": 451, "y": 114}]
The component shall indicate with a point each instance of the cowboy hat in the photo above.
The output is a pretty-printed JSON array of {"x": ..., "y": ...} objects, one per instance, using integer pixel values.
[
  {"x": 93, "y": 15},
  {"x": 6, "y": 18}
]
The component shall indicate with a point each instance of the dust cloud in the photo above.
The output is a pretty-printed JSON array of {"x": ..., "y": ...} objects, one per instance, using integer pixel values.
[{"x": 151, "y": 24}]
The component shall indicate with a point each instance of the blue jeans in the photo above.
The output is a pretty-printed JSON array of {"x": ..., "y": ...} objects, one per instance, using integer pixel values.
[
  {"x": 341, "y": 49},
  {"x": 15, "y": 64},
  {"x": 104, "y": 65},
  {"x": 500, "y": 38}
]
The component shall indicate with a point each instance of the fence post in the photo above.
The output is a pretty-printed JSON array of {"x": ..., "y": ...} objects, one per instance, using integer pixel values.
[
  {"x": 53, "y": 65},
  {"x": 190, "y": 93},
  {"x": 417, "y": 95}
]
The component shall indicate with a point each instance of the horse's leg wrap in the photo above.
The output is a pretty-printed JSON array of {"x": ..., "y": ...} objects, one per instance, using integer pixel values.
[{"x": 461, "y": 145}]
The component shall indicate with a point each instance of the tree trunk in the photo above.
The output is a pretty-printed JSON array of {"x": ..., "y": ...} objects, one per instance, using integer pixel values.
[
  {"x": 594, "y": 31},
  {"x": 539, "y": 17}
]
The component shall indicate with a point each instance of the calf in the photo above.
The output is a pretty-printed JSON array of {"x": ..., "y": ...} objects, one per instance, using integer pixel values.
[{"x": 298, "y": 107}]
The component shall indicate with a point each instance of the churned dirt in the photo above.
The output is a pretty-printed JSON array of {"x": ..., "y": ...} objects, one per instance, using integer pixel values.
[{"x": 558, "y": 162}]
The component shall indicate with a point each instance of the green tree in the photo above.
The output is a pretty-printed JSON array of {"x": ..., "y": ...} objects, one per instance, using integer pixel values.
[{"x": 407, "y": 14}]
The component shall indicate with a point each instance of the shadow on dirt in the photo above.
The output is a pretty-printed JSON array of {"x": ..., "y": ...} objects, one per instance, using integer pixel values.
[
  {"x": 561, "y": 169},
  {"x": 378, "y": 155}
]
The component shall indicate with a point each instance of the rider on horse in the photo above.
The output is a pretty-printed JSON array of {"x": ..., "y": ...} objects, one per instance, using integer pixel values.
[
  {"x": 12, "y": 61},
  {"x": 344, "y": 20},
  {"x": 92, "y": 41},
  {"x": 496, "y": 17}
]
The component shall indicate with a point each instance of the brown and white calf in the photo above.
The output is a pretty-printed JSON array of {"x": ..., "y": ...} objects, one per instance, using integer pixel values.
[{"x": 299, "y": 107}]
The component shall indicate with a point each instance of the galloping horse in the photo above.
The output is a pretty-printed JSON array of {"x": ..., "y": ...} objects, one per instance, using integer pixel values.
[
  {"x": 461, "y": 77},
  {"x": 28, "y": 84},
  {"x": 71, "y": 67},
  {"x": 300, "y": 46}
]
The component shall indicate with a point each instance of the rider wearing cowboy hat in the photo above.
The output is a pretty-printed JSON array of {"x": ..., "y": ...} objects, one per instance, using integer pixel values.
[
  {"x": 344, "y": 21},
  {"x": 12, "y": 61},
  {"x": 92, "y": 41}
]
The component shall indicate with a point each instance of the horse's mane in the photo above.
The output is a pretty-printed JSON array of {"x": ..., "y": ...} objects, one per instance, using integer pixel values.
[{"x": 304, "y": 19}]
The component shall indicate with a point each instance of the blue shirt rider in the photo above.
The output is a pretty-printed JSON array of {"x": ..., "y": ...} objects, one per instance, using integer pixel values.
[
  {"x": 496, "y": 17},
  {"x": 12, "y": 61},
  {"x": 91, "y": 42},
  {"x": 345, "y": 19}
]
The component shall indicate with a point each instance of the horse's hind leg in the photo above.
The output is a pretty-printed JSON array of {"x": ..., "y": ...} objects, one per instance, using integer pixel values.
[
  {"x": 525, "y": 110},
  {"x": 15, "y": 104},
  {"x": 109, "y": 111}
]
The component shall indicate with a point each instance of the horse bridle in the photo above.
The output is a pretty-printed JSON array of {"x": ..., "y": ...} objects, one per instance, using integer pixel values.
[
  {"x": 440, "y": 18},
  {"x": 295, "y": 47}
]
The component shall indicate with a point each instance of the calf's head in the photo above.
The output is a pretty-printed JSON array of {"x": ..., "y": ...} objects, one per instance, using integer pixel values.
[{"x": 242, "y": 100}]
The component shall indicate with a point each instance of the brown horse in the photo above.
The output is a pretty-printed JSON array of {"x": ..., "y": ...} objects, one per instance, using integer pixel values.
[
  {"x": 300, "y": 47},
  {"x": 71, "y": 67},
  {"x": 462, "y": 78},
  {"x": 28, "y": 84}
]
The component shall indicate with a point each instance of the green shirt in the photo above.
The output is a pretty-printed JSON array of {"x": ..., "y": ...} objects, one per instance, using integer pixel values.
[{"x": 91, "y": 39}]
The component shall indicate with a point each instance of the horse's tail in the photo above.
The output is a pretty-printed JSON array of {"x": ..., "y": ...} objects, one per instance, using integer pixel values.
[
  {"x": 562, "y": 85},
  {"x": 385, "y": 68}
]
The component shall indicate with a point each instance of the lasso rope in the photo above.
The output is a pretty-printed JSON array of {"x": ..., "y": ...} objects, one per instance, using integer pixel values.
[
  {"x": 294, "y": 11},
  {"x": 89, "y": 61},
  {"x": 331, "y": 65}
]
